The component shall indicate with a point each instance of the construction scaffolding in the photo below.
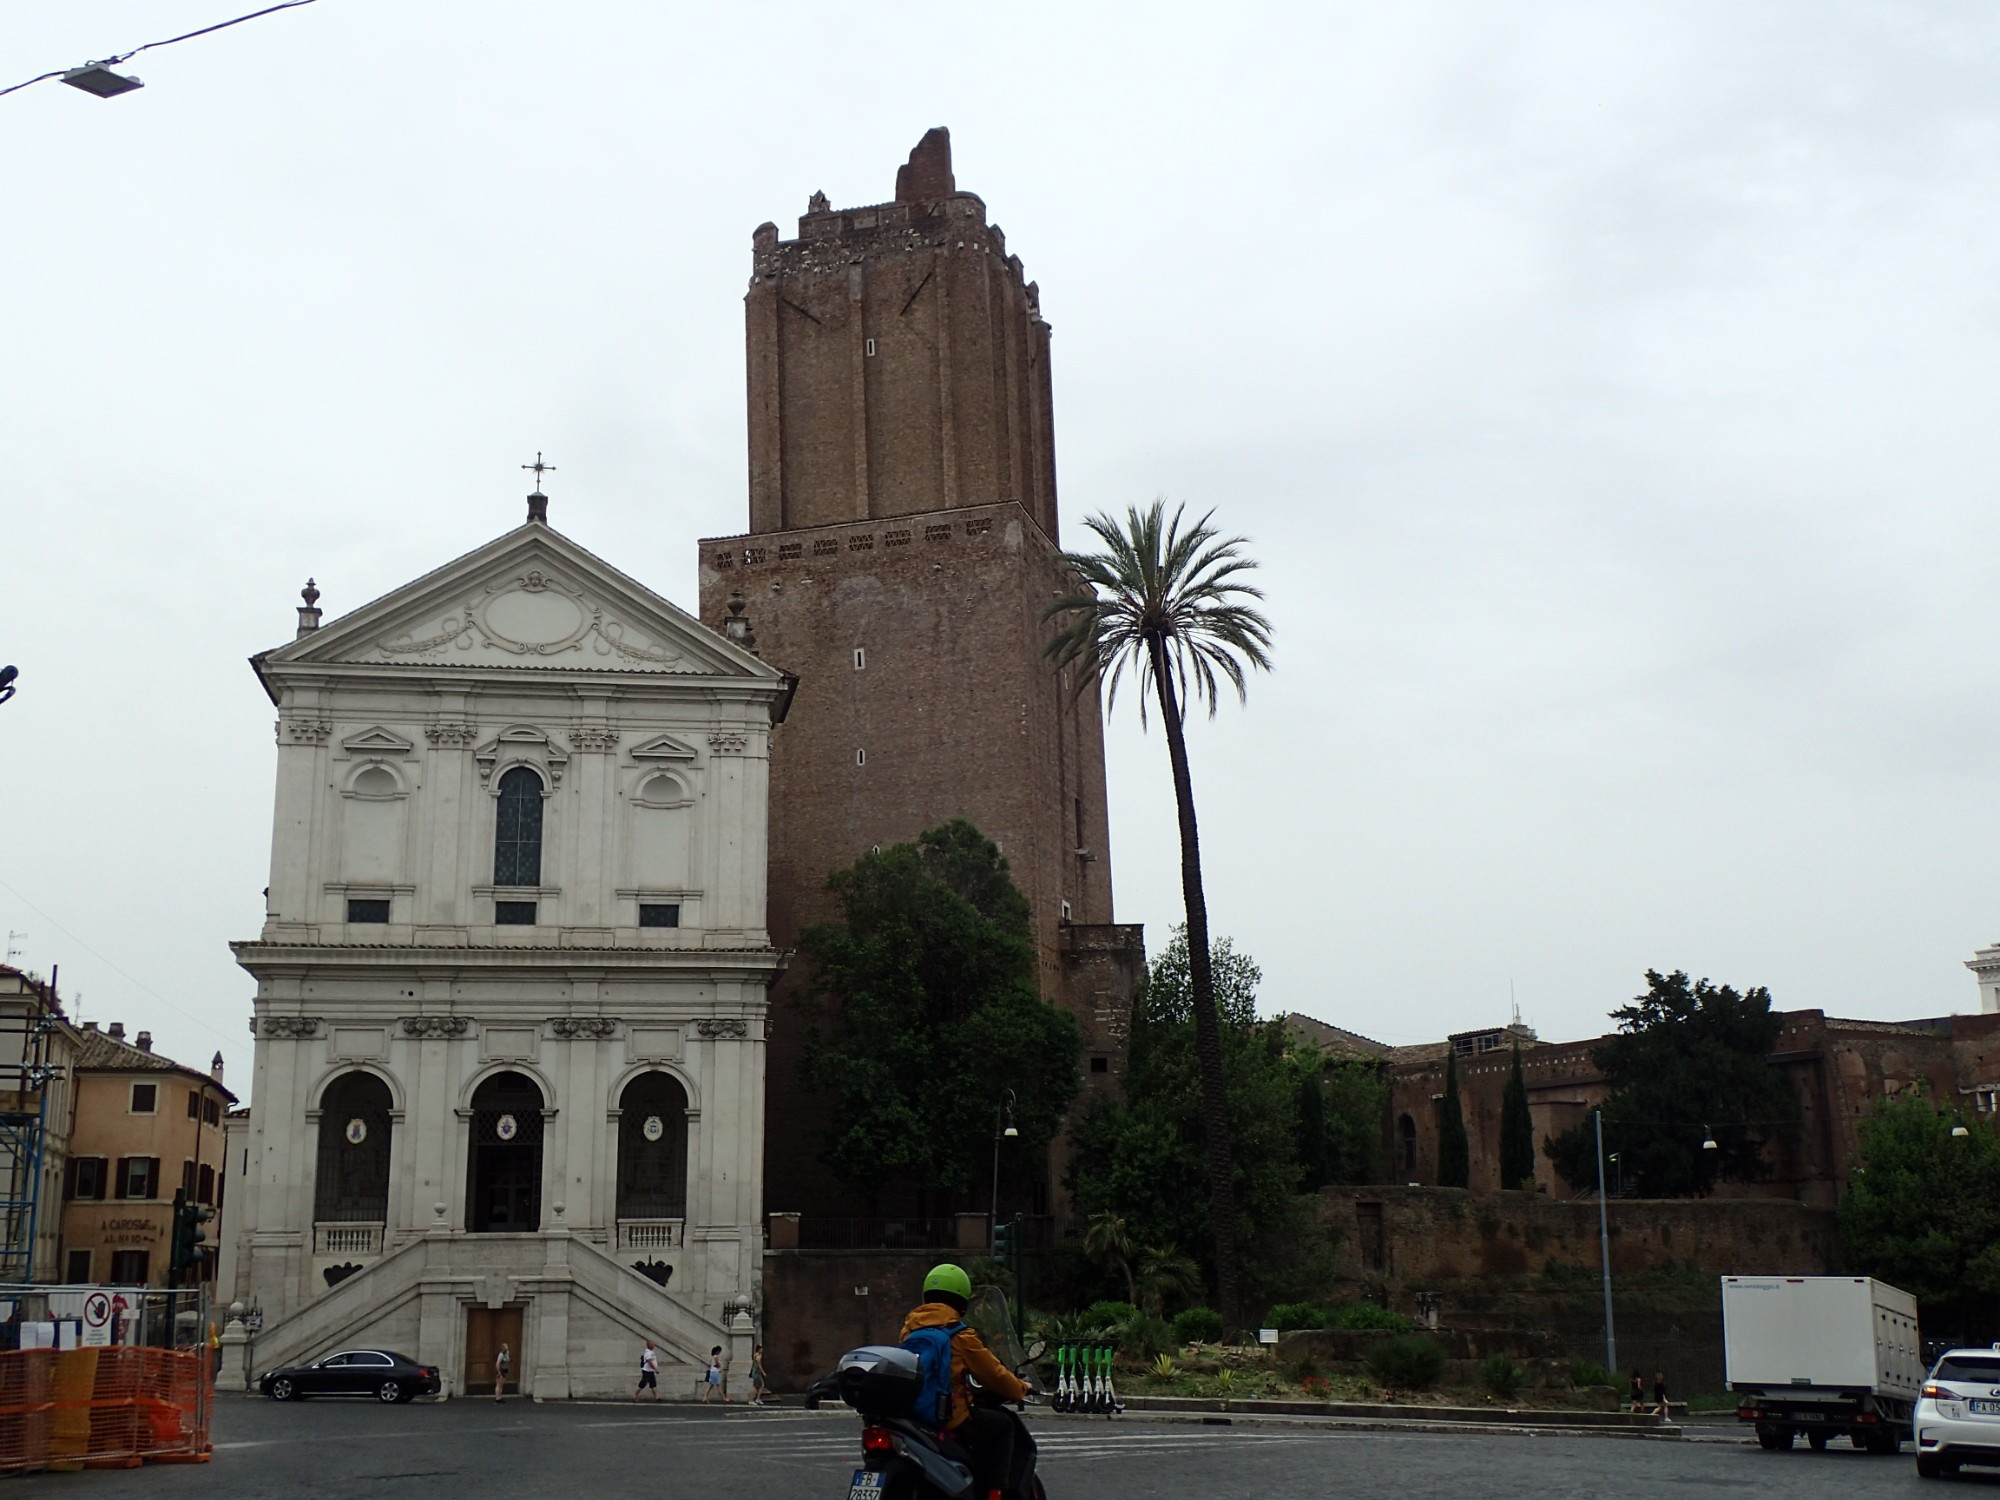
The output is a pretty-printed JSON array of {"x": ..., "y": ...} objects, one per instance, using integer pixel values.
[{"x": 29, "y": 1020}]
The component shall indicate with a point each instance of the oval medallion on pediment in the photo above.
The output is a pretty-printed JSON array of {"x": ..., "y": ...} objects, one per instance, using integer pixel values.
[{"x": 539, "y": 620}]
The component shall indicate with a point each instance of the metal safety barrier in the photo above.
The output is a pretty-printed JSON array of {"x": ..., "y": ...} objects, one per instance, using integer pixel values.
[{"x": 103, "y": 1377}]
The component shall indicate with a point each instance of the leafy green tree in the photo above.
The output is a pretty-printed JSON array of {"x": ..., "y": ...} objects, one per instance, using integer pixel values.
[
  {"x": 1170, "y": 603},
  {"x": 1517, "y": 1129},
  {"x": 1690, "y": 1063},
  {"x": 1166, "y": 1278},
  {"x": 925, "y": 1009},
  {"x": 1339, "y": 1114},
  {"x": 1141, "y": 1155},
  {"x": 1922, "y": 1210},
  {"x": 1454, "y": 1150},
  {"x": 1107, "y": 1241}
]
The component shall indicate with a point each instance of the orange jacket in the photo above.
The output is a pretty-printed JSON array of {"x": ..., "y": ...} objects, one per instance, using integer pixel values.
[{"x": 969, "y": 1356}]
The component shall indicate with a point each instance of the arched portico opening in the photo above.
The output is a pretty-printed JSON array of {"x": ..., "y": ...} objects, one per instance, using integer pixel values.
[
  {"x": 504, "y": 1166},
  {"x": 351, "y": 1183},
  {"x": 652, "y": 1148}
]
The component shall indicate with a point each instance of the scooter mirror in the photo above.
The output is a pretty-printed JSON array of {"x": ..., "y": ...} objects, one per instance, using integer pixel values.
[{"x": 1037, "y": 1349}]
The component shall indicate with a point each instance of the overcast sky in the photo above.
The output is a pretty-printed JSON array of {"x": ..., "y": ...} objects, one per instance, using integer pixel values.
[{"x": 1609, "y": 392}]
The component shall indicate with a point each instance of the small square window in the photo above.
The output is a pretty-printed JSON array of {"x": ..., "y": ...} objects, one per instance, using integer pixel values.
[
  {"x": 77, "y": 1272},
  {"x": 211, "y": 1112},
  {"x": 514, "y": 913},
  {"x": 87, "y": 1178},
  {"x": 659, "y": 914},
  {"x": 145, "y": 1098},
  {"x": 1100, "y": 1065},
  {"x": 128, "y": 1267},
  {"x": 367, "y": 911},
  {"x": 194, "y": 1105}
]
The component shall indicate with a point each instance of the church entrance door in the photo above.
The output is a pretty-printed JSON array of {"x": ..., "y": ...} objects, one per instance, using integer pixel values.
[
  {"x": 486, "y": 1329},
  {"x": 504, "y": 1172}
]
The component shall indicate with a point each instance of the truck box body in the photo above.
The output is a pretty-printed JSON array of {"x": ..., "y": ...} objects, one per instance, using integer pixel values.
[{"x": 1821, "y": 1337}]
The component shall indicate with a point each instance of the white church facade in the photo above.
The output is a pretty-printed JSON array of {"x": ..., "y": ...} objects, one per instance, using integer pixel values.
[{"x": 511, "y": 983}]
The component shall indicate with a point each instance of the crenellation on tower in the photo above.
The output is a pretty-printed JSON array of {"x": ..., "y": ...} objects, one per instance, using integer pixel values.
[{"x": 898, "y": 361}]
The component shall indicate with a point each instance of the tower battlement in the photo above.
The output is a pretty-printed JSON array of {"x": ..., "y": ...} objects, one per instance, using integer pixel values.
[{"x": 898, "y": 361}]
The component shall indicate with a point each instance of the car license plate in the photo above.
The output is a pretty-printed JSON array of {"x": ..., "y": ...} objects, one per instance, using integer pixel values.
[
  {"x": 1985, "y": 1408},
  {"x": 867, "y": 1485},
  {"x": 1809, "y": 1416}
]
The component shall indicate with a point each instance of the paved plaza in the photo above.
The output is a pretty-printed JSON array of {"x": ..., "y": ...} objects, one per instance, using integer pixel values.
[{"x": 351, "y": 1450}]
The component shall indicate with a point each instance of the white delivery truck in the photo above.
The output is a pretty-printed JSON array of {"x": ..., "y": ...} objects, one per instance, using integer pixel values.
[{"x": 1823, "y": 1356}]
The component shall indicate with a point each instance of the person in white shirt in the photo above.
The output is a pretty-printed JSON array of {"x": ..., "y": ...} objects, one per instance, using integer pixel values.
[{"x": 649, "y": 1372}]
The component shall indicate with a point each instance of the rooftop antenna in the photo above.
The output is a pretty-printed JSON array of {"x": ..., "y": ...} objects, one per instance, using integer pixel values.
[
  {"x": 1513, "y": 1002},
  {"x": 14, "y": 944}
]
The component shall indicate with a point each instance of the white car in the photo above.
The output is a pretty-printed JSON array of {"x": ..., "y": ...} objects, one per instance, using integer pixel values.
[{"x": 1958, "y": 1415}]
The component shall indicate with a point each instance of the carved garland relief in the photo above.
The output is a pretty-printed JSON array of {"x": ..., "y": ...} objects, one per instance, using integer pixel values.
[{"x": 531, "y": 614}]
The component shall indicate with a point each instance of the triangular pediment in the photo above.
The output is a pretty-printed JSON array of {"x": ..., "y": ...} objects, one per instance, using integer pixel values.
[
  {"x": 530, "y": 599},
  {"x": 377, "y": 741},
  {"x": 663, "y": 747}
]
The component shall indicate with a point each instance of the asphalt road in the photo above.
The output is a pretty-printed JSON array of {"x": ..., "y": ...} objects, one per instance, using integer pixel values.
[{"x": 355, "y": 1450}]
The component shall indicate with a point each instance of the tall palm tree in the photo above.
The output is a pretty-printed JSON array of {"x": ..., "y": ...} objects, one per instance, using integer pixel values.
[
  {"x": 1108, "y": 1242},
  {"x": 1168, "y": 601}
]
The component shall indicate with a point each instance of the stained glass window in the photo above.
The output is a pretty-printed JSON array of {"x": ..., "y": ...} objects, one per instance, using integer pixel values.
[{"x": 517, "y": 842}]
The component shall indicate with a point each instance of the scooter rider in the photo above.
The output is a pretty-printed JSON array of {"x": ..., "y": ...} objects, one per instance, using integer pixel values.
[{"x": 985, "y": 1434}]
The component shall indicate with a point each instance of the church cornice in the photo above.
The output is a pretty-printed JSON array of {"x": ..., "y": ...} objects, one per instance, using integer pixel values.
[{"x": 262, "y": 959}]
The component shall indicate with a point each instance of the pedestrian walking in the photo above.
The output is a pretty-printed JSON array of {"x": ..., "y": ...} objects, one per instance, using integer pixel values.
[
  {"x": 712, "y": 1382},
  {"x": 502, "y": 1363},
  {"x": 1660, "y": 1395},
  {"x": 1638, "y": 1392},
  {"x": 756, "y": 1374},
  {"x": 649, "y": 1372}
]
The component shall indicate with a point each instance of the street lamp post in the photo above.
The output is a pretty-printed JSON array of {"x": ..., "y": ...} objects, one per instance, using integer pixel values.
[
  {"x": 1604, "y": 1251},
  {"x": 1003, "y": 1128}
]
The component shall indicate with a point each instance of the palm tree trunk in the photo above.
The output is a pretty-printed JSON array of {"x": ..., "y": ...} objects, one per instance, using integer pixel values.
[{"x": 1207, "y": 1030}]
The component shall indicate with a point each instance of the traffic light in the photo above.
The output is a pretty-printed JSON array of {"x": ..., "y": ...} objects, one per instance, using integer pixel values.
[
  {"x": 188, "y": 1238},
  {"x": 1005, "y": 1235}
]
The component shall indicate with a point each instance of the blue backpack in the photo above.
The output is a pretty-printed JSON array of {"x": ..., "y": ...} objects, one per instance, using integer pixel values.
[{"x": 932, "y": 1347}]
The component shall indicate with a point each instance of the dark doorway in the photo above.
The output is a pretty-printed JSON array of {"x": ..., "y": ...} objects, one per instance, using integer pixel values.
[
  {"x": 652, "y": 1148},
  {"x": 504, "y": 1174},
  {"x": 352, "y": 1185},
  {"x": 486, "y": 1329}
]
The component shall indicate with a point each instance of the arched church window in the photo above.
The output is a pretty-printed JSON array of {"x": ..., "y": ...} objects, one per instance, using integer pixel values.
[
  {"x": 352, "y": 1185},
  {"x": 1406, "y": 1135},
  {"x": 652, "y": 1148},
  {"x": 517, "y": 841}
]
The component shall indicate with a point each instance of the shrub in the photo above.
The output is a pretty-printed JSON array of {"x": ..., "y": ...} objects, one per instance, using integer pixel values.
[
  {"x": 1363, "y": 1315},
  {"x": 1144, "y": 1335},
  {"x": 1588, "y": 1372},
  {"x": 1295, "y": 1315},
  {"x": 1303, "y": 1369},
  {"x": 1163, "y": 1366},
  {"x": 1502, "y": 1376},
  {"x": 1109, "y": 1314},
  {"x": 1408, "y": 1362},
  {"x": 1198, "y": 1325}
]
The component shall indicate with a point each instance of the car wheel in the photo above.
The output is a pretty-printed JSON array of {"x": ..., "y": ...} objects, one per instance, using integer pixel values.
[
  {"x": 283, "y": 1390},
  {"x": 1928, "y": 1467},
  {"x": 1818, "y": 1441},
  {"x": 390, "y": 1393},
  {"x": 1776, "y": 1439}
]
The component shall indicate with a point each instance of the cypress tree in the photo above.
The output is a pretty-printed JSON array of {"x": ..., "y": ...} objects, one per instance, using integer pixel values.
[
  {"x": 1517, "y": 1129},
  {"x": 1454, "y": 1153}
]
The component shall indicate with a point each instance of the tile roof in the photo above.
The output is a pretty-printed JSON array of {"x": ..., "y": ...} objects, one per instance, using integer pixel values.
[{"x": 100, "y": 1052}]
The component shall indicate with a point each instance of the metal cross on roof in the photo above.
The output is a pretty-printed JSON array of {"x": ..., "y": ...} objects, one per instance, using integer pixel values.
[{"x": 540, "y": 468}]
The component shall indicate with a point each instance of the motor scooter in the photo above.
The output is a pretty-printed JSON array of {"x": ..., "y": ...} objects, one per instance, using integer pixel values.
[{"x": 904, "y": 1457}]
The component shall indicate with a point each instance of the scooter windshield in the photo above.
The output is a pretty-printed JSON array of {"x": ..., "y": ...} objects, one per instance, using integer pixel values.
[{"x": 993, "y": 1321}]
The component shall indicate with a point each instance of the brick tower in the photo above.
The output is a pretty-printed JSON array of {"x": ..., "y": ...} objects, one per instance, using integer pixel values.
[{"x": 902, "y": 547}]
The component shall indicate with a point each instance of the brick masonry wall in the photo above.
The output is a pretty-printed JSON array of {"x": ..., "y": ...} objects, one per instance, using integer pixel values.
[
  {"x": 923, "y": 696},
  {"x": 1430, "y": 1235},
  {"x": 821, "y": 1303}
]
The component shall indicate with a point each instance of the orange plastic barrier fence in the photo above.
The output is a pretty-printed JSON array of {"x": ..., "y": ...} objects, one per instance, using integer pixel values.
[{"x": 114, "y": 1407}]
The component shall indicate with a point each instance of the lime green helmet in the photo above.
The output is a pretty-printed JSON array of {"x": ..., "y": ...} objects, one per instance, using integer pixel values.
[{"x": 949, "y": 1278}]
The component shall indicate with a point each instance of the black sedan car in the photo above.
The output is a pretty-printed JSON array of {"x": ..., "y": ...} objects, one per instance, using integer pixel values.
[{"x": 381, "y": 1373}]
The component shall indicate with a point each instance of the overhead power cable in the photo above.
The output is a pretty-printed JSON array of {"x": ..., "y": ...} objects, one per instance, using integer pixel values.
[{"x": 167, "y": 42}]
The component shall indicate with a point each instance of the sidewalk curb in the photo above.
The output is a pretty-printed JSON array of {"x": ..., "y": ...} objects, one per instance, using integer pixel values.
[{"x": 1236, "y": 1417}]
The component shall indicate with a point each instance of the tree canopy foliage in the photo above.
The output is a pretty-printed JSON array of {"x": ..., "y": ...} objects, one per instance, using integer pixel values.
[
  {"x": 1922, "y": 1210},
  {"x": 1140, "y": 1157},
  {"x": 1690, "y": 1062},
  {"x": 925, "y": 1010}
]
